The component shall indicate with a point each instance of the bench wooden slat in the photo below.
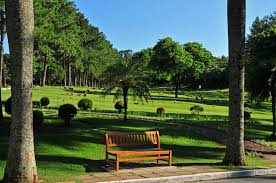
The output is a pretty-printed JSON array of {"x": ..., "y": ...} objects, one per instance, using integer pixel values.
[
  {"x": 144, "y": 159},
  {"x": 139, "y": 153}
]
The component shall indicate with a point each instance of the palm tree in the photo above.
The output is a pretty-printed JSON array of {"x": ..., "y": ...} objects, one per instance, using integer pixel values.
[
  {"x": 126, "y": 78},
  {"x": 235, "y": 154},
  {"x": 21, "y": 165}
]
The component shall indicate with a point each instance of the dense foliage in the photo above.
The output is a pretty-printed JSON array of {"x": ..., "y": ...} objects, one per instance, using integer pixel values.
[
  {"x": 85, "y": 104},
  {"x": 44, "y": 101},
  {"x": 67, "y": 112}
]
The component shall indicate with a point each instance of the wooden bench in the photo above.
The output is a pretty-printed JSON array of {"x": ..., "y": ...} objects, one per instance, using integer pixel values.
[{"x": 136, "y": 139}]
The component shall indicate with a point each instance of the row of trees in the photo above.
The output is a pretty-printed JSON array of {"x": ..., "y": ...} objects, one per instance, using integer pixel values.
[
  {"x": 187, "y": 64},
  {"x": 68, "y": 50}
]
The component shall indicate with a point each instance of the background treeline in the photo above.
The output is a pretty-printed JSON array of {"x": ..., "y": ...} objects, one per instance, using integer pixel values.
[{"x": 69, "y": 51}]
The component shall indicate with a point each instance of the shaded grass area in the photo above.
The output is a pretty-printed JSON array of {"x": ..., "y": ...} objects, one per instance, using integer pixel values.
[{"x": 63, "y": 153}]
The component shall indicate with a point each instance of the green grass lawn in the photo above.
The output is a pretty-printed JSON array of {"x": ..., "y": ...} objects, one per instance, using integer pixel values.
[{"x": 63, "y": 153}]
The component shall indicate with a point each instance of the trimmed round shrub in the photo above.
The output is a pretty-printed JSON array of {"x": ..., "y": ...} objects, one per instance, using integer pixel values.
[
  {"x": 8, "y": 106},
  {"x": 67, "y": 112},
  {"x": 38, "y": 118},
  {"x": 196, "y": 109},
  {"x": 44, "y": 101},
  {"x": 160, "y": 111},
  {"x": 119, "y": 106},
  {"x": 85, "y": 104}
]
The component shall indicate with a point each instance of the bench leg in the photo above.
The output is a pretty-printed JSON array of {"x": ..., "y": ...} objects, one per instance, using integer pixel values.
[
  {"x": 117, "y": 163},
  {"x": 170, "y": 158},
  {"x": 106, "y": 157},
  {"x": 158, "y": 160}
]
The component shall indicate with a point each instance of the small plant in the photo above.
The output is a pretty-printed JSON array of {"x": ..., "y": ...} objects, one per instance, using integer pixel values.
[
  {"x": 160, "y": 111},
  {"x": 38, "y": 118},
  {"x": 67, "y": 112},
  {"x": 196, "y": 109},
  {"x": 8, "y": 106},
  {"x": 85, "y": 104},
  {"x": 119, "y": 106},
  {"x": 255, "y": 154},
  {"x": 44, "y": 101}
]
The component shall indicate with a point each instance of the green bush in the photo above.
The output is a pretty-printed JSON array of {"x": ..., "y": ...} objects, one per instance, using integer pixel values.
[
  {"x": 67, "y": 112},
  {"x": 8, "y": 106},
  {"x": 38, "y": 118},
  {"x": 196, "y": 109},
  {"x": 44, "y": 101},
  {"x": 85, "y": 104},
  {"x": 119, "y": 106},
  {"x": 160, "y": 111}
]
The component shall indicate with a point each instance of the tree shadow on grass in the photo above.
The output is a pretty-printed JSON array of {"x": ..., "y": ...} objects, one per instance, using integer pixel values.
[{"x": 88, "y": 164}]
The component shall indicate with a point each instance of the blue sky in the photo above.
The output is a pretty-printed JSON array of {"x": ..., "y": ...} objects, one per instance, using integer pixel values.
[{"x": 138, "y": 24}]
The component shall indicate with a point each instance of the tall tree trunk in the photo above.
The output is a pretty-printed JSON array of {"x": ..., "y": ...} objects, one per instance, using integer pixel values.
[
  {"x": 69, "y": 74},
  {"x": 177, "y": 84},
  {"x": 125, "y": 94},
  {"x": 76, "y": 77},
  {"x": 21, "y": 164},
  {"x": 176, "y": 89},
  {"x": 45, "y": 67},
  {"x": 235, "y": 154},
  {"x": 65, "y": 73},
  {"x": 2, "y": 34}
]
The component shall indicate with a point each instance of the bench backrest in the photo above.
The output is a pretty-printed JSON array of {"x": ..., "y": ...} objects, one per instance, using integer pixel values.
[{"x": 132, "y": 138}]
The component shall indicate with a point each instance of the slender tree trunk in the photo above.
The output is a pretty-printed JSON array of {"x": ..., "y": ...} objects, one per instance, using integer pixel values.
[
  {"x": 177, "y": 85},
  {"x": 65, "y": 73},
  {"x": 2, "y": 34},
  {"x": 45, "y": 67},
  {"x": 21, "y": 164},
  {"x": 69, "y": 75},
  {"x": 76, "y": 77},
  {"x": 125, "y": 94},
  {"x": 80, "y": 79},
  {"x": 235, "y": 153},
  {"x": 176, "y": 89}
]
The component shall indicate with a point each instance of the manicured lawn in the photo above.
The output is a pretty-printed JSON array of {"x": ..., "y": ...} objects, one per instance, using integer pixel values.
[{"x": 63, "y": 153}]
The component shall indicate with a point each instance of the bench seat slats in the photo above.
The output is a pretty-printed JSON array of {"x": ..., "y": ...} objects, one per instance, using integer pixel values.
[
  {"x": 139, "y": 153},
  {"x": 144, "y": 159}
]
